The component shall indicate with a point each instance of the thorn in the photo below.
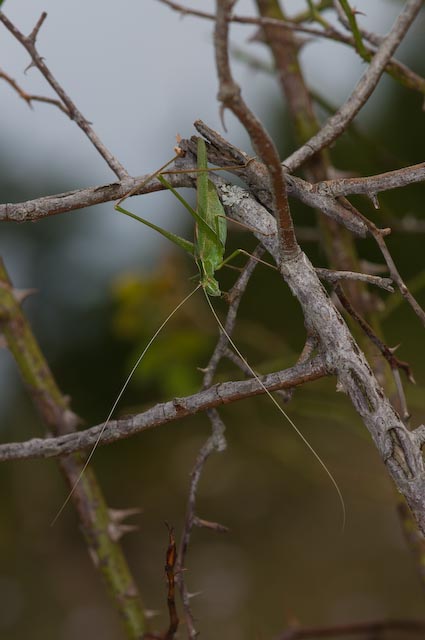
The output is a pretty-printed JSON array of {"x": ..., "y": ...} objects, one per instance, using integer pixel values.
[
  {"x": 385, "y": 232},
  {"x": 257, "y": 36},
  {"x": 394, "y": 349},
  {"x": 202, "y": 369},
  {"x": 118, "y": 515},
  {"x": 339, "y": 387},
  {"x": 117, "y": 531},
  {"x": 411, "y": 379},
  {"x": 194, "y": 595},
  {"x": 31, "y": 64},
  {"x": 221, "y": 112},
  {"x": 94, "y": 557},
  {"x": 116, "y": 528},
  {"x": 21, "y": 294},
  {"x": 206, "y": 524},
  {"x": 151, "y": 613},
  {"x": 374, "y": 198}
]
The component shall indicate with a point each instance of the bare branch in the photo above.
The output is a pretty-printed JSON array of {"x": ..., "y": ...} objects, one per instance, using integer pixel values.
[
  {"x": 28, "y": 97},
  {"x": 170, "y": 563},
  {"x": 393, "y": 361},
  {"x": 216, "y": 442},
  {"x": 338, "y": 123},
  {"x": 371, "y": 185},
  {"x": 163, "y": 413},
  {"x": 234, "y": 298},
  {"x": 335, "y": 276},
  {"x": 230, "y": 97},
  {"x": 29, "y": 42},
  {"x": 89, "y": 502},
  {"x": 39, "y": 208},
  {"x": 395, "y": 68}
]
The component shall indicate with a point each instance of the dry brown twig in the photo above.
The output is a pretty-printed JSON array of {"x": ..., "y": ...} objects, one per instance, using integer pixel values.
[
  {"x": 229, "y": 94},
  {"x": 163, "y": 413},
  {"x": 216, "y": 441},
  {"x": 29, "y": 97}
]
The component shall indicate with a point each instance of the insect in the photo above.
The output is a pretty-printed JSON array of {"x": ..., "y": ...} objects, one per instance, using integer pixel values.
[
  {"x": 211, "y": 226},
  {"x": 208, "y": 252}
]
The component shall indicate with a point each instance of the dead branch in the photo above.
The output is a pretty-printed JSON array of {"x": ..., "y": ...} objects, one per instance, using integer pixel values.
[
  {"x": 163, "y": 413},
  {"x": 338, "y": 123},
  {"x": 29, "y": 43}
]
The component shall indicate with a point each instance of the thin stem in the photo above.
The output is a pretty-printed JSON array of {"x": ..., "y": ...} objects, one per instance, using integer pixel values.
[
  {"x": 231, "y": 98},
  {"x": 164, "y": 413},
  {"x": 92, "y": 510},
  {"x": 337, "y": 124},
  {"x": 29, "y": 43}
]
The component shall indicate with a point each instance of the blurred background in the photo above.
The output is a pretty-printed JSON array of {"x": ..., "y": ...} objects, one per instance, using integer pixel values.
[{"x": 141, "y": 74}]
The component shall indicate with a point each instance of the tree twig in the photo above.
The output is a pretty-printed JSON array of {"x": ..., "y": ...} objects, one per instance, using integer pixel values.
[
  {"x": 334, "y": 276},
  {"x": 29, "y": 43},
  {"x": 371, "y": 185},
  {"x": 92, "y": 510},
  {"x": 163, "y": 413},
  {"x": 216, "y": 441},
  {"x": 337, "y": 124},
  {"x": 170, "y": 572},
  {"x": 29, "y": 97},
  {"x": 230, "y": 97},
  {"x": 394, "y": 362}
]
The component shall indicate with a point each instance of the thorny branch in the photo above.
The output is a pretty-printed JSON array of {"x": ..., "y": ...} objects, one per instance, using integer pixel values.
[
  {"x": 337, "y": 124},
  {"x": 102, "y": 529},
  {"x": 321, "y": 195},
  {"x": 372, "y": 185},
  {"x": 395, "y": 68},
  {"x": 170, "y": 572},
  {"x": 163, "y": 413},
  {"x": 29, "y": 42},
  {"x": 230, "y": 96},
  {"x": 216, "y": 441},
  {"x": 395, "y": 363},
  {"x": 29, "y": 97}
]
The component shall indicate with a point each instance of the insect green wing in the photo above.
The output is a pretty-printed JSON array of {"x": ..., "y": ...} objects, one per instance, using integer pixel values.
[
  {"x": 210, "y": 252},
  {"x": 209, "y": 249}
]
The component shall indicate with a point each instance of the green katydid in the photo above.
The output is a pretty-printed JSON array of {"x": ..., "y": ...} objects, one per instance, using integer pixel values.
[
  {"x": 208, "y": 253},
  {"x": 210, "y": 219}
]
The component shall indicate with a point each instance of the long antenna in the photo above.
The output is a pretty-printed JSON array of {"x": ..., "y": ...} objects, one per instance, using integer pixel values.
[
  {"x": 282, "y": 411},
  {"x": 118, "y": 398}
]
